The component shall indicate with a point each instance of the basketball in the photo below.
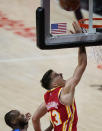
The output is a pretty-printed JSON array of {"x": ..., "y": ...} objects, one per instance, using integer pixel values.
[{"x": 69, "y": 5}]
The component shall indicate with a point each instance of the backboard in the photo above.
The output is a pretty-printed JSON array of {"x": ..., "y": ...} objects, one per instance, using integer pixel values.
[{"x": 50, "y": 12}]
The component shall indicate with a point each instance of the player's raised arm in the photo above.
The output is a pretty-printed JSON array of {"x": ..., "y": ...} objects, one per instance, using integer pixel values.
[
  {"x": 67, "y": 94},
  {"x": 40, "y": 112}
]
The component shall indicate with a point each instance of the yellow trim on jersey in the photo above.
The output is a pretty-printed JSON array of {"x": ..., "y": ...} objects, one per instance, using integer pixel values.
[
  {"x": 68, "y": 111},
  {"x": 59, "y": 92},
  {"x": 52, "y": 89},
  {"x": 64, "y": 125},
  {"x": 71, "y": 122}
]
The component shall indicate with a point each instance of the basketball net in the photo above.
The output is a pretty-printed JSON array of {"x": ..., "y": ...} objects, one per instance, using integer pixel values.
[
  {"x": 91, "y": 28},
  {"x": 97, "y": 54}
]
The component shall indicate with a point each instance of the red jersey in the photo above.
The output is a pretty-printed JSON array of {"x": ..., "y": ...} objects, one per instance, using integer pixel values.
[{"x": 63, "y": 118}]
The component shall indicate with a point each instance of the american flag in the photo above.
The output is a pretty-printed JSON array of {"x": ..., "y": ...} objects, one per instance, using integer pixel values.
[{"x": 59, "y": 28}]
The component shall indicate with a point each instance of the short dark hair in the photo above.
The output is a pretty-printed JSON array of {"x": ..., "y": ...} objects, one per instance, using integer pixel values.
[
  {"x": 46, "y": 79},
  {"x": 9, "y": 117}
]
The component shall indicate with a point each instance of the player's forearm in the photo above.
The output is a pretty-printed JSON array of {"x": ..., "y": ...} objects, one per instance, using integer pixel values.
[
  {"x": 82, "y": 57},
  {"x": 36, "y": 125}
]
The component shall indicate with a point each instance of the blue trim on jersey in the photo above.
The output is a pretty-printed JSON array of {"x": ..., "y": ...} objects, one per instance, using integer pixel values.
[{"x": 16, "y": 130}]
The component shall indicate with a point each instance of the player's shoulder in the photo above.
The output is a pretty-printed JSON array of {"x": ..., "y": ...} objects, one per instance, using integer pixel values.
[{"x": 46, "y": 94}]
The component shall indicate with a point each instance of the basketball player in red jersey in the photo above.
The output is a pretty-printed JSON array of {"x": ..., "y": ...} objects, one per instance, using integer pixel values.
[{"x": 59, "y": 99}]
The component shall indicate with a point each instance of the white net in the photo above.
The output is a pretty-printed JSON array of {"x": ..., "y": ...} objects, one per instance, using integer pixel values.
[
  {"x": 96, "y": 51},
  {"x": 97, "y": 55}
]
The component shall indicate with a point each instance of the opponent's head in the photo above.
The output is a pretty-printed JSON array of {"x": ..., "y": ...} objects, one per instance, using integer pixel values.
[
  {"x": 16, "y": 120},
  {"x": 52, "y": 79}
]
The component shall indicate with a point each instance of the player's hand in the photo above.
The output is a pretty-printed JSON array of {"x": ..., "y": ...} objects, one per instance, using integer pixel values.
[
  {"x": 28, "y": 116},
  {"x": 76, "y": 27}
]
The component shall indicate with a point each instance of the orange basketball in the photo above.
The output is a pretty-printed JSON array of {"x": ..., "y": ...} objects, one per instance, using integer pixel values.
[{"x": 69, "y": 5}]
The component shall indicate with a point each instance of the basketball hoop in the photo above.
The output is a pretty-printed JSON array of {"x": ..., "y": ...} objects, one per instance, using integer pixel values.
[
  {"x": 96, "y": 50},
  {"x": 86, "y": 26}
]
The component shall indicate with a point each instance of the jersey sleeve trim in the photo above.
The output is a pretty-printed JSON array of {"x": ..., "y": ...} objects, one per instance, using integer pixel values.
[{"x": 59, "y": 93}]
